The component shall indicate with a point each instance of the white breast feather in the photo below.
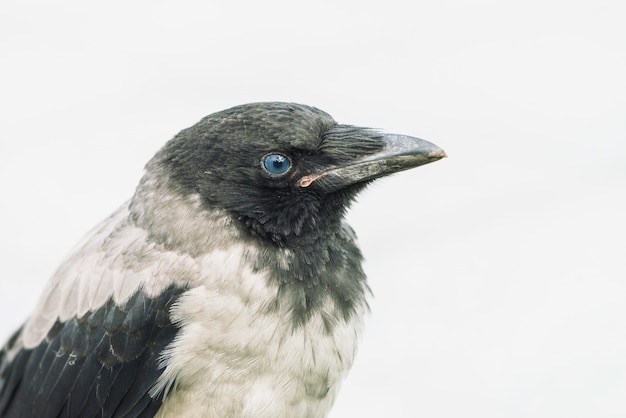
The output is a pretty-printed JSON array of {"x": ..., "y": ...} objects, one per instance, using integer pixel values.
[{"x": 231, "y": 348}]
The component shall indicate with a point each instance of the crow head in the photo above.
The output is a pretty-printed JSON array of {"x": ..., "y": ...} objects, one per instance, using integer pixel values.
[
  {"x": 286, "y": 172},
  {"x": 280, "y": 177}
]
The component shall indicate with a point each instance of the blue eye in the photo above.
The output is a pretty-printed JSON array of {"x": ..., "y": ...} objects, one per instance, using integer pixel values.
[{"x": 276, "y": 164}]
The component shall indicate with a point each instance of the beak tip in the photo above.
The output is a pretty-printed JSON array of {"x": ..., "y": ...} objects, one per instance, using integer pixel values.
[{"x": 437, "y": 154}]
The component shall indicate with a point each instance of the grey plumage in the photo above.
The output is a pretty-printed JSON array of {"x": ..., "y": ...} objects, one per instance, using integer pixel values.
[{"x": 229, "y": 285}]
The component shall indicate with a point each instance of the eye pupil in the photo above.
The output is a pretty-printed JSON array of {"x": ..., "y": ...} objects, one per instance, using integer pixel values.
[{"x": 276, "y": 164}]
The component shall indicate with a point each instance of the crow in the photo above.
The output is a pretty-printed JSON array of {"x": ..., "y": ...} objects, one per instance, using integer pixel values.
[{"x": 228, "y": 286}]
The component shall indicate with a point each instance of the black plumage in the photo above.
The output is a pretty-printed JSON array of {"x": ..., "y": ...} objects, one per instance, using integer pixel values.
[{"x": 101, "y": 364}]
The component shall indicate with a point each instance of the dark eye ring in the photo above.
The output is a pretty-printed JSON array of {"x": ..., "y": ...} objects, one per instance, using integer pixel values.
[{"x": 276, "y": 164}]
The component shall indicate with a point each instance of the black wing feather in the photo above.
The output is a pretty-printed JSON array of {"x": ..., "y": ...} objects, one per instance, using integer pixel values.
[
  {"x": 101, "y": 364},
  {"x": 161, "y": 336}
]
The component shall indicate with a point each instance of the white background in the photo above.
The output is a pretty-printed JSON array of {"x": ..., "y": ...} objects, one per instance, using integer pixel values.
[{"x": 499, "y": 273}]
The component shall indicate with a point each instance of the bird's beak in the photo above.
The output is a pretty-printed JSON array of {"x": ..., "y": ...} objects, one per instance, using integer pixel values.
[{"x": 399, "y": 153}]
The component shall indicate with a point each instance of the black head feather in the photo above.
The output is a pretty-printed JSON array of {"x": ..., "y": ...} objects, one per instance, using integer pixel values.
[{"x": 221, "y": 159}]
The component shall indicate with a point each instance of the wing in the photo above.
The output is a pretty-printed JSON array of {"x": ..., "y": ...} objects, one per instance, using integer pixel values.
[
  {"x": 103, "y": 363},
  {"x": 92, "y": 345}
]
